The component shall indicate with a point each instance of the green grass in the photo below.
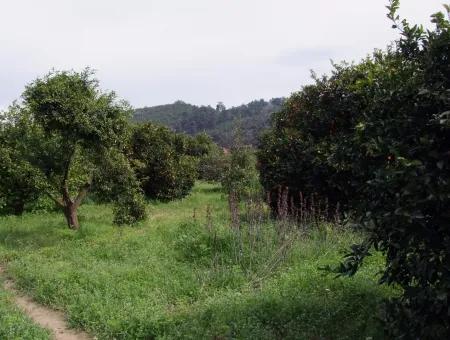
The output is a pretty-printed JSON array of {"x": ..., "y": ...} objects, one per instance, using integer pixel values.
[
  {"x": 171, "y": 278},
  {"x": 14, "y": 325}
]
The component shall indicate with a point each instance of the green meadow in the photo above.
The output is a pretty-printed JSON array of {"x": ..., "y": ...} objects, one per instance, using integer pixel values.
[{"x": 185, "y": 274}]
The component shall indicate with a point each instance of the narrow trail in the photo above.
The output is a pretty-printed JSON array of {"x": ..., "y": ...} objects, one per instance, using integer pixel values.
[{"x": 45, "y": 317}]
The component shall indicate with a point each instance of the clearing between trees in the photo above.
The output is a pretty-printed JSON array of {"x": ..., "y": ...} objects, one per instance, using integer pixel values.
[{"x": 184, "y": 273}]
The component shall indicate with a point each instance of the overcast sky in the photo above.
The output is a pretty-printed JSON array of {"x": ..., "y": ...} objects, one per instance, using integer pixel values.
[{"x": 200, "y": 51}]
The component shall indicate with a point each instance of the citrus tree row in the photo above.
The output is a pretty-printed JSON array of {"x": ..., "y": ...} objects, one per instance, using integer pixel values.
[
  {"x": 67, "y": 139},
  {"x": 374, "y": 139}
]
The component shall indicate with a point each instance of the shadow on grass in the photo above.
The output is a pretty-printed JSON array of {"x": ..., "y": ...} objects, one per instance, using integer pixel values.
[
  {"x": 351, "y": 313},
  {"x": 29, "y": 232}
]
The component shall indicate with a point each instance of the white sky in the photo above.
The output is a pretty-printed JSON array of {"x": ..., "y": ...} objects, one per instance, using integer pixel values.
[{"x": 201, "y": 51}]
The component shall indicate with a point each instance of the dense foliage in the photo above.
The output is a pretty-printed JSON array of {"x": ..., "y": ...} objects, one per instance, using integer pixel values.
[
  {"x": 218, "y": 122},
  {"x": 66, "y": 135},
  {"x": 165, "y": 162},
  {"x": 212, "y": 166},
  {"x": 18, "y": 178},
  {"x": 376, "y": 137},
  {"x": 240, "y": 177}
]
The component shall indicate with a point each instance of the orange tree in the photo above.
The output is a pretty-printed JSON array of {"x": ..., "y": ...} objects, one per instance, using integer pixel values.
[
  {"x": 163, "y": 161},
  {"x": 376, "y": 137},
  {"x": 73, "y": 136}
]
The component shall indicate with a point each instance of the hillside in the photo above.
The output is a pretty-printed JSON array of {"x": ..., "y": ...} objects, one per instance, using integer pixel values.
[{"x": 217, "y": 122}]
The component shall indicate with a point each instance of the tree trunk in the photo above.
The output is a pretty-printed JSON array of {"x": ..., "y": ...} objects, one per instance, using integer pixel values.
[
  {"x": 18, "y": 208},
  {"x": 70, "y": 211}
]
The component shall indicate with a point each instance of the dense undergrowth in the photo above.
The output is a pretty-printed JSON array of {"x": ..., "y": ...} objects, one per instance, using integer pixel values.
[{"x": 184, "y": 273}]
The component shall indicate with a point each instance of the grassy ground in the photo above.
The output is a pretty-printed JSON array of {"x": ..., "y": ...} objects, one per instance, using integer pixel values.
[
  {"x": 14, "y": 325},
  {"x": 171, "y": 277}
]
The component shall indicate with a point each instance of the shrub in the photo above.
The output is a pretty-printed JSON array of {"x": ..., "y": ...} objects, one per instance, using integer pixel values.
[
  {"x": 199, "y": 145},
  {"x": 240, "y": 177},
  {"x": 162, "y": 165},
  {"x": 18, "y": 178},
  {"x": 130, "y": 210},
  {"x": 212, "y": 166}
]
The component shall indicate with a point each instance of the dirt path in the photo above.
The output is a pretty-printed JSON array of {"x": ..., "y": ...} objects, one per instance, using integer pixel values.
[{"x": 45, "y": 317}]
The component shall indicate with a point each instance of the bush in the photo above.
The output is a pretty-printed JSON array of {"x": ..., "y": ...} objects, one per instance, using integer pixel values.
[
  {"x": 160, "y": 160},
  {"x": 18, "y": 178},
  {"x": 240, "y": 177},
  {"x": 129, "y": 209},
  {"x": 119, "y": 186},
  {"x": 212, "y": 166},
  {"x": 198, "y": 146},
  {"x": 376, "y": 137}
]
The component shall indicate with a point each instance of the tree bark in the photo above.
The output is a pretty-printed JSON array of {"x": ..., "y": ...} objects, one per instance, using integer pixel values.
[
  {"x": 70, "y": 206},
  {"x": 70, "y": 211}
]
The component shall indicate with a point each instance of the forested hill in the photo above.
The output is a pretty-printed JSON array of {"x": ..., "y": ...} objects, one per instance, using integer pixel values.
[{"x": 217, "y": 122}]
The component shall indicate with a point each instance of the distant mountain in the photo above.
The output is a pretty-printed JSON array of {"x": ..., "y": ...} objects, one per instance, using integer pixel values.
[{"x": 217, "y": 122}]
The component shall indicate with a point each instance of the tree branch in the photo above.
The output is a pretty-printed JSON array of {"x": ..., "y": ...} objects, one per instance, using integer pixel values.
[
  {"x": 57, "y": 200},
  {"x": 82, "y": 193}
]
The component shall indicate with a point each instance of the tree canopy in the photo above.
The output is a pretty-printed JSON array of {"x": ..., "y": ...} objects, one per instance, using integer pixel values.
[
  {"x": 72, "y": 134},
  {"x": 165, "y": 162},
  {"x": 374, "y": 138}
]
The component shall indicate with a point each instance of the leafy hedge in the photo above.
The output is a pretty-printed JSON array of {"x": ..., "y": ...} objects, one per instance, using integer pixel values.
[{"x": 375, "y": 137}]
